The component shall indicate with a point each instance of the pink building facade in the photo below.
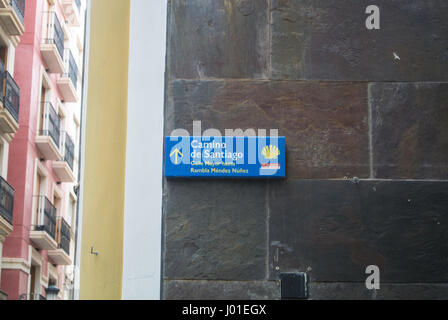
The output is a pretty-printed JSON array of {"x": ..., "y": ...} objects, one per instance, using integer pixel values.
[{"x": 43, "y": 155}]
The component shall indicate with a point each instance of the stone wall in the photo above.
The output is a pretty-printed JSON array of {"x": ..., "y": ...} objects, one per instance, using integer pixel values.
[{"x": 348, "y": 108}]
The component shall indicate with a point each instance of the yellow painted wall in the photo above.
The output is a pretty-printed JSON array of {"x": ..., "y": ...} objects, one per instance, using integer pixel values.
[{"x": 105, "y": 151}]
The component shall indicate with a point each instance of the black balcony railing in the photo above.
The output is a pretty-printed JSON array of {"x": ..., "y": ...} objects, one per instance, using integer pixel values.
[
  {"x": 10, "y": 92},
  {"x": 6, "y": 200},
  {"x": 72, "y": 69},
  {"x": 55, "y": 33},
  {"x": 68, "y": 149},
  {"x": 64, "y": 235},
  {"x": 19, "y": 8},
  {"x": 51, "y": 123},
  {"x": 46, "y": 217},
  {"x": 11, "y": 95}
]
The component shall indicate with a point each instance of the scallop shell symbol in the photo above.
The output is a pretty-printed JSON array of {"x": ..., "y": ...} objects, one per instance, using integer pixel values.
[{"x": 271, "y": 152}]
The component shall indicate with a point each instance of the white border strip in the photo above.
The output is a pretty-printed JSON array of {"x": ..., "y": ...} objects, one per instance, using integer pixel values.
[
  {"x": 144, "y": 151},
  {"x": 77, "y": 267}
]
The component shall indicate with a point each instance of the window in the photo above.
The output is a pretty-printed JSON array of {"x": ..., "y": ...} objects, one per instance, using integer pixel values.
[
  {"x": 40, "y": 189},
  {"x": 57, "y": 202},
  {"x": 3, "y": 166},
  {"x": 3, "y": 53},
  {"x": 45, "y": 97},
  {"x": 71, "y": 212}
]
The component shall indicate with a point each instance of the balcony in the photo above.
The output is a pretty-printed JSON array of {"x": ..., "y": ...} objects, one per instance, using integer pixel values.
[
  {"x": 12, "y": 16},
  {"x": 44, "y": 233},
  {"x": 71, "y": 9},
  {"x": 9, "y": 102},
  {"x": 61, "y": 256},
  {"x": 52, "y": 48},
  {"x": 6, "y": 207},
  {"x": 64, "y": 168},
  {"x": 68, "y": 82},
  {"x": 49, "y": 137}
]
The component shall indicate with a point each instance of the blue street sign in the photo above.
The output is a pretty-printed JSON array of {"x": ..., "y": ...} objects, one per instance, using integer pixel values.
[{"x": 225, "y": 157}]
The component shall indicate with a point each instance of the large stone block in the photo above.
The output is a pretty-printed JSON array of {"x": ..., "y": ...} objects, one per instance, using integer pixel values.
[
  {"x": 221, "y": 290},
  {"x": 335, "y": 229},
  {"x": 219, "y": 39},
  {"x": 325, "y": 124},
  {"x": 328, "y": 40},
  {"x": 409, "y": 130},
  {"x": 215, "y": 230}
]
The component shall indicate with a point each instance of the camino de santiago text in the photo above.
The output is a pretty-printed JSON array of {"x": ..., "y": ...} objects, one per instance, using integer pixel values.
[{"x": 213, "y": 151}]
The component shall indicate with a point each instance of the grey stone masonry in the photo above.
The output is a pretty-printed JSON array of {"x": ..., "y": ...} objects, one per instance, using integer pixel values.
[{"x": 365, "y": 116}]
